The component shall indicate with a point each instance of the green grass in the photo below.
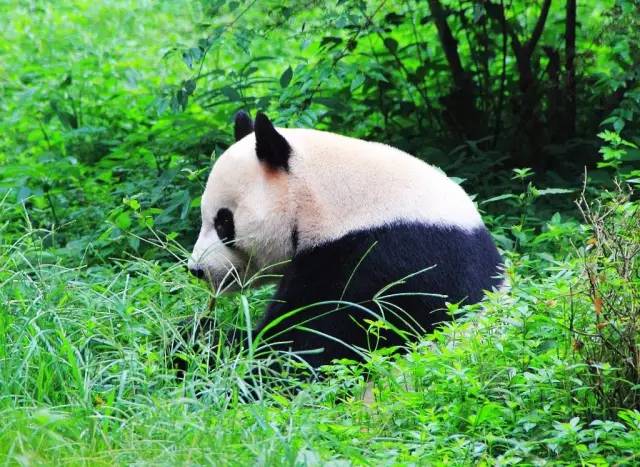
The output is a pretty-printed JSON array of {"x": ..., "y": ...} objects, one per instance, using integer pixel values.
[
  {"x": 93, "y": 294},
  {"x": 85, "y": 379}
]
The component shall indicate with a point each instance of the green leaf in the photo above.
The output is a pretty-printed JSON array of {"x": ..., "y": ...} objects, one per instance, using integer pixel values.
[
  {"x": 230, "y": 93},
  {"x": 499, "y": 198},
  {"x": 123, "y": 221},
  {"x": 23, "y": 193},
  {"x": 132, "y": 203},
  {"x": 188, "y": 59},
  {"x": 192, "y": 55},
  {"x": 134, "y": 243},
  {"x": 180, "y": 100},
  {"x": 610, "y": 137},
  {"x": 162, "y": 104},
  {"x": 357, "y": 81},
  {"x": 553, "y": 191},
  {"x": 285, "y": 78},
  {"x": 189, "y": 86},
  {"x": 488, "y": 413},
  {"x": 391, "y": 44}
]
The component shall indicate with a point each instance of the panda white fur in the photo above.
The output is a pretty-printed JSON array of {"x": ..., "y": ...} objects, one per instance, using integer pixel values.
[{"x": 352, "y": 217}]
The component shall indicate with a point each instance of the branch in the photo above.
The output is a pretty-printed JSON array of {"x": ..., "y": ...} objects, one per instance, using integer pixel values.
[
  {"x": 537, "y": 30},
  {"x": 496, "y": 11},
  {"x": 449, "y": 44},
  {"x": 570, "y": 51},
  {"x": 503, "y": 76}
]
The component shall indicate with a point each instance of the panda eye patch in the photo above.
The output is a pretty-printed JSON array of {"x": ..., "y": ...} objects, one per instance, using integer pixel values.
[{"x": 225, "y": 228}]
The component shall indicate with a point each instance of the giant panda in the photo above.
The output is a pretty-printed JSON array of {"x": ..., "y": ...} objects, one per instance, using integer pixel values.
[{"x": 372, "y": 241}]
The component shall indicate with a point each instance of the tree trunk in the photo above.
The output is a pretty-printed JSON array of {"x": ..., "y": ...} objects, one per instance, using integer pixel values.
[
  {"x": 449, "y": 44},
  {"x": 555, "y": 118},
  {"x": 460, "y": 109},
  {"x": 529, "y": 136},
  {"x": 570, "y": 50}
]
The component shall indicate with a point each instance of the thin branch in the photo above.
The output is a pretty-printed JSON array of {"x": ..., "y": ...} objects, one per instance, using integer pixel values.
[{"x": 537, "y": 30}]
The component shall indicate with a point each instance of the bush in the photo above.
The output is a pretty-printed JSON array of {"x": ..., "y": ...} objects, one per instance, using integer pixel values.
[{"x": 608, "y": 337}]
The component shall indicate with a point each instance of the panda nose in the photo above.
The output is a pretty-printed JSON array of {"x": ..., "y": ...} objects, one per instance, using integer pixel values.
[{"x": 197, "y": 271}]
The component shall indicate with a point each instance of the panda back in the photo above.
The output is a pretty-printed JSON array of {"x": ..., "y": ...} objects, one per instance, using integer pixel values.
[{"x": 341, "y": 185}]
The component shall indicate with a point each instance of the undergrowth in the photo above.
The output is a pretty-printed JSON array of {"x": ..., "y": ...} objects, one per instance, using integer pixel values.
[{"x": 86, "y": 375}]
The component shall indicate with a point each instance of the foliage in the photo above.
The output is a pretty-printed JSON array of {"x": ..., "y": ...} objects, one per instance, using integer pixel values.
[
  {"x": 111, "y": 112},
  {"x": 620, "y": 155},
  {"x": 429, "y": 74},
  {"x": 81, "y": 142},
  {"x": 85, "y": 377}
]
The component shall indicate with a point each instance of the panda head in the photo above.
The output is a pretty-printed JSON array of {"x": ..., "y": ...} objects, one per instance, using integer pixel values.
[{"x": 247, "y": 221}]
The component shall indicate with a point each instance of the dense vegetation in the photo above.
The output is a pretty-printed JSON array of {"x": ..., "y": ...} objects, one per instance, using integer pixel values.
[{"x": 111, "y": 112}]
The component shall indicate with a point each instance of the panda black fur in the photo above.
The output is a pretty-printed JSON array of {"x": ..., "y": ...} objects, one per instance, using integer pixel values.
[{"x": 376, "y": 217}]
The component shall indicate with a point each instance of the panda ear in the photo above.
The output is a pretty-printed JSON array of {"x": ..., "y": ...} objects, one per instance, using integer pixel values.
[
  {"x": 243, "y": 125},
  {"x": 271, "y": 147}
]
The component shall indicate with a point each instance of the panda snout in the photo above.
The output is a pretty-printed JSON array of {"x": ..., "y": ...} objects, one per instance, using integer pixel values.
[{"x": 197, "y": 271}]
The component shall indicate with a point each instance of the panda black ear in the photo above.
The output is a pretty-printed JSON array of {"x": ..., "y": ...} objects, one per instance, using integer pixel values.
[
  {"x": 243, "y": 125},
  {"x": 271, "y": 147}
]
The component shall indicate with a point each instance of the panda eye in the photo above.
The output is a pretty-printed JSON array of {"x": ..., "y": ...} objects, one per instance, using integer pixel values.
[{"x": 225, "y": 228}]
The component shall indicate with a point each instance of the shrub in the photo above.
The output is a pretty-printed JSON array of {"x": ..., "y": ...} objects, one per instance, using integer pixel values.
[{"x": 607, "y": 338}]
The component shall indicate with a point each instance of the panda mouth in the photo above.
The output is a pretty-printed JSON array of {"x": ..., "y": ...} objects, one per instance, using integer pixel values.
[
  {"x": 236, "y": 279},
  {"x": 227, "y": 283}
]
